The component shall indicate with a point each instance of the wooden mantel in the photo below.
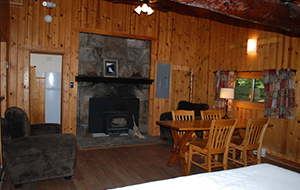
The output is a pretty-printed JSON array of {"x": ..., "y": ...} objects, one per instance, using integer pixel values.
[{"x": 86, "y": 78}]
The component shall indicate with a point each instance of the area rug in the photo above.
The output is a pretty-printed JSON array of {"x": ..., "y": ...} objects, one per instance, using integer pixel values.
[{"x": 114, "y": 142}]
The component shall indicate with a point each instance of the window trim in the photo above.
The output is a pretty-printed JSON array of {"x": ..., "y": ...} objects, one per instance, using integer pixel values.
[
  {"x": 249, "y": 105},
  {"x": 250, "y": 74},
  {"x": 245, "y": 103}
]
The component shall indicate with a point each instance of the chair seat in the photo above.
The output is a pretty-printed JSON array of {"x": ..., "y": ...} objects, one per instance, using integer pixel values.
[
  {"x": 201, "y": 143},
  {"x": 236, "y": 141},
  {"x": 196, "y": 139}
]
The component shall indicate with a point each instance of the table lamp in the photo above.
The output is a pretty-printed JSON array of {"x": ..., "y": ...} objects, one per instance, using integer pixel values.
[{"x": 227, "y": 94}]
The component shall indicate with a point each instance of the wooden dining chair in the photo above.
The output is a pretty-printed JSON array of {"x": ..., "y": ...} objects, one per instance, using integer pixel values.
[
  {"x": 220, "y": 134},
  {"x": 253, "y": 139},
  {"x": 210, "y": 115},
  {"x": 181, "y": 115}
]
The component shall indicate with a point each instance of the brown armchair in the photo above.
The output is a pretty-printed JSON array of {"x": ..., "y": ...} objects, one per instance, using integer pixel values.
[{"x": 35, "y": 152}]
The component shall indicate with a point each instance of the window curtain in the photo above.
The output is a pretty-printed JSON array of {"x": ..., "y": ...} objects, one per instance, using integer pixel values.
[
  {"x": 224, "y": 79},
  {"x": 279, "y": 93}
]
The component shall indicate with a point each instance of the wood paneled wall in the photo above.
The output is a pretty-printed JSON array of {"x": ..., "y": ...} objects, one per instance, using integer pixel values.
[
  {"x": 206, "y": 45},
  {"x": 37, "y": 103},
  {"x": 4, "y": 20},
  {"x": 3, "y": 53}
]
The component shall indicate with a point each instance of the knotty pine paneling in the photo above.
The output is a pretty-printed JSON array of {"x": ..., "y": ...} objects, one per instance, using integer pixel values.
[
  {"x": 201, "y": 65},
  {"x": 4, "y": 20},
  {"x": 206, "y": 45},
  {"x": 37, "y": 104},
  {"x": 3, "y": 95},
  {"x": 274, "y": 51}
]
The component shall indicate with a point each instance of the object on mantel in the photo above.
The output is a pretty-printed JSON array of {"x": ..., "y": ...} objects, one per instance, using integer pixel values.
[{"x": 85, "y": 78}]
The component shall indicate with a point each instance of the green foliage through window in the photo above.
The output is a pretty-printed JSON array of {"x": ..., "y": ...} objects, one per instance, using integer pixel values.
[{"x": 249, "y": 89}]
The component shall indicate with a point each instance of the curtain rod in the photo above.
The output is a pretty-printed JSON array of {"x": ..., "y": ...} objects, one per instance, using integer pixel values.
[{"x": 294, "y": 70}]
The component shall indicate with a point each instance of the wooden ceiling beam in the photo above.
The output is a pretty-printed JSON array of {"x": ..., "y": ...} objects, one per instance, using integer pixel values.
[{"x": 284, "y": 15}]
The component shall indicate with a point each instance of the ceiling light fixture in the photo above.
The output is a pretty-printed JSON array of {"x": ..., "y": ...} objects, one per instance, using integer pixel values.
[{"x": 145, "y": 8}]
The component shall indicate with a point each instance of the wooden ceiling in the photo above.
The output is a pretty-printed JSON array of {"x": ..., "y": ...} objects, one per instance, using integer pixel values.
[
  {"x": 280, "y": 14},
  {"x": 283, "y": 14}
]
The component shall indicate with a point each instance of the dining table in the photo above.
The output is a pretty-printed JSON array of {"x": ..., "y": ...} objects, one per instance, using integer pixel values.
[{"x": 189, "y": 127}]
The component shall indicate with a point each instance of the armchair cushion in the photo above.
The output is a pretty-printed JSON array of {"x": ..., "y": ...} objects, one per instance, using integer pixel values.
[{"x": 45, "y": 128}]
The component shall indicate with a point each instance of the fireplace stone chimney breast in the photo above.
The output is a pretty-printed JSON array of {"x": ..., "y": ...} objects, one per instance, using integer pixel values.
[{"x": 133, "y": 56}]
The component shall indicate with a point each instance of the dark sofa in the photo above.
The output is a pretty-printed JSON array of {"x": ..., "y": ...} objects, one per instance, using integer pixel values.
[
  {"x": 35, "y": 152},
  {"x": 165, "y": 132}
]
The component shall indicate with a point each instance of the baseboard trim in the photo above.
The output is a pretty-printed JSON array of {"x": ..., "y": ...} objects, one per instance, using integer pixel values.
[{"x": 282, "y": 160}]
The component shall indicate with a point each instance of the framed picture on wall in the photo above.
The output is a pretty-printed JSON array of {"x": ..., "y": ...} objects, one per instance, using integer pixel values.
[{"x": 110, "y": 67}]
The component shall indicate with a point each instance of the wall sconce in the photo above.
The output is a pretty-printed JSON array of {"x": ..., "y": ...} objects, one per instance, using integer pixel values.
[
  {"x": 251, "y": 45},
  {"x": 145, "y": 8},
  {"x": 227, "y": 94}
]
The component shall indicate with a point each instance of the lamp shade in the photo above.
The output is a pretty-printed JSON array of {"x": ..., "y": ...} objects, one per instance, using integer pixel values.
[{"x": 227, "y": 93}]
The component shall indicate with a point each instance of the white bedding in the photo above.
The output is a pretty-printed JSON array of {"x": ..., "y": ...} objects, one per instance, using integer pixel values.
[{"x": 261, "y": 176}]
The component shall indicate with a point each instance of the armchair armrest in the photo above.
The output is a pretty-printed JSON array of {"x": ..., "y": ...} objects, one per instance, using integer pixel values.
[{"x": 45, "y": 128}]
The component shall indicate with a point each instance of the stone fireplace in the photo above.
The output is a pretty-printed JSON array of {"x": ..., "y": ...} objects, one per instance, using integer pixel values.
[{"x": 132, "y": 82}]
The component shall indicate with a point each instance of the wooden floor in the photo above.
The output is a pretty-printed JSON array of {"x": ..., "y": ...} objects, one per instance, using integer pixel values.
[{"x": 117, "y": 167}]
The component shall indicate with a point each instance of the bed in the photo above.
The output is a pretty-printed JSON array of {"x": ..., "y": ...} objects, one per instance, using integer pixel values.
[{"x": 261, "y": 176}]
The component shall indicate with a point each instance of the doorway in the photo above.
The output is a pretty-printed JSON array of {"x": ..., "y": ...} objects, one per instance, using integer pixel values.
[{"x": 45, "y": 88}]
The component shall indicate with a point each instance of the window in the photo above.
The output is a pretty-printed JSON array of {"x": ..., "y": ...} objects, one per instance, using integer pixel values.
[{"x": 249, "y": 89}]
